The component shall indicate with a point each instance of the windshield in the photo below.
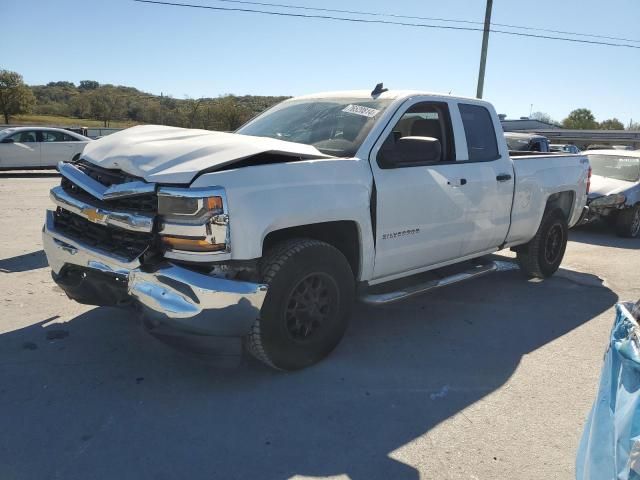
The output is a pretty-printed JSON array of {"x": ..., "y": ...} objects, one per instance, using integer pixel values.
[
  {"x": 335, "y": 126},
  {"x": 518, "y": 144},
  {"x": 614, "y": 166}
]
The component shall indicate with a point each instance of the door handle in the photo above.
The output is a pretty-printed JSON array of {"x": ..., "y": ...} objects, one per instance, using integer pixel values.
[
  {"x": 457, "y": 183},
  {"x": 503, "y": 177}
]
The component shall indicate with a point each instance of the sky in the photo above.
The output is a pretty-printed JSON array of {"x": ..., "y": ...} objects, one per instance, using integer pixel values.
[{"x": 185, "y": 52}]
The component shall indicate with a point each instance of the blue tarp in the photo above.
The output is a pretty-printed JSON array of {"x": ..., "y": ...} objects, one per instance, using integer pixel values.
[{"x": 610, "y": 445}]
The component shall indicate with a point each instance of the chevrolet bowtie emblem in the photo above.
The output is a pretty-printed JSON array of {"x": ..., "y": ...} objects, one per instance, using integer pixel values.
[{"x": 94, "y": 215}]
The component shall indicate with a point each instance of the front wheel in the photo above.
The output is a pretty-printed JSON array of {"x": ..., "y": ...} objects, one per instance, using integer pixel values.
[
  {"x": 306, "y": 310},
  {"x": 542, "y": 256},
  {"x": 628, "y": 222}
]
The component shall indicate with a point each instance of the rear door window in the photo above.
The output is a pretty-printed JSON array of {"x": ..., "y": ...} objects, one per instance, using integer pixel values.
[
  {"x": 53, "y": 136},
  {"x": 479, "y": 132}
]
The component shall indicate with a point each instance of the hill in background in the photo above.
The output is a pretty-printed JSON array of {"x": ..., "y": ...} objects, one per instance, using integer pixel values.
[{"x": 119, "y": 106}]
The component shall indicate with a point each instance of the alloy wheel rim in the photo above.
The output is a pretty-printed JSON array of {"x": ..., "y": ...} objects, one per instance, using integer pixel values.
[
  {"x": 553, "y": 244},
  {"x": 310, "y": 306},
  {"x": 635, "y": 224}
]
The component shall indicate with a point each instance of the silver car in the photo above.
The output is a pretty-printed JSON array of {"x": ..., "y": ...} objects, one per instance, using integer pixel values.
[{"x": 615, "y": 190}]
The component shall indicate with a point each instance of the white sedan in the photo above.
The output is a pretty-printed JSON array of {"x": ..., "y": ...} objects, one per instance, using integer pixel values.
[{"x": 38, "y": 147}]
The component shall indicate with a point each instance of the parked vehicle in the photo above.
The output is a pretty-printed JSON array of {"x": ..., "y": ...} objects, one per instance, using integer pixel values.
[
  {"x": 615, "y": 190},
  {"x": 270, "y": 232},
  {"x": 526, "y": 142},
  {"x": 564, "y": 148},
  {"x": 38, "y": 147}
]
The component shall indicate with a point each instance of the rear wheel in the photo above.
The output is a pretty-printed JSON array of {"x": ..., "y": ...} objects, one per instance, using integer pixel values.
[
  {"x": 542, "y": 256},
  {"x": 306, "y": 310},
  {"x": 628, "y": 222}
]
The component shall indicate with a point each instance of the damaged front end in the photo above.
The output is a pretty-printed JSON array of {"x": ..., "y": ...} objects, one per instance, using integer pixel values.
[{"x": 117, "y": 240}]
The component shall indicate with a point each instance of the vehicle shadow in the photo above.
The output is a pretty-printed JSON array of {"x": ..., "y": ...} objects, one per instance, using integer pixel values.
[
  {"x": 600, "y": 234},
  {"x": 24, "y": 262},
  {"x": 97, "y": 397}
]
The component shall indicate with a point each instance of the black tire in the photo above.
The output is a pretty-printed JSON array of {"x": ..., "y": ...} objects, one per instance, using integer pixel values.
[
  {"x": 628, "y": 222},
  {"x": 542, "y": 256},
  {"x": 307, "y": 307}
]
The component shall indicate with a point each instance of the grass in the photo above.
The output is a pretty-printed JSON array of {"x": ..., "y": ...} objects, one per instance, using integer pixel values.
[{"x": 66, "y": 121}]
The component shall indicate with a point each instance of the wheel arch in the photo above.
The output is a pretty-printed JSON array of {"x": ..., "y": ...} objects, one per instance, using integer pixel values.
[
  {"x": 344, "y": 235},
  {"x": 563, "y": 201}
]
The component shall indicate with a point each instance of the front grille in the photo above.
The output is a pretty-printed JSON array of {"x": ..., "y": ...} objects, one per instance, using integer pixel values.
[
  {"x": 147, "y": 203},
  {"x": 110, "y": 239},
  {"x": 105, "y": 176}
]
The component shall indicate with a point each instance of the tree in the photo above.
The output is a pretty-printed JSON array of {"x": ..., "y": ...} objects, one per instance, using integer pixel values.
[
  {"x": 611, "y": 124},
  {"x": 228, "y": 113},
  {"x": 580, "y": 119},
  {"x": 543, "y": 117},
  {"x": 63, "y": 84},
  {"x": 88, "y": 85},
  {"x": 192, "y": 108},
  {"x": 107, "y": 104},
  {"x": 634, "y": 126},
  {"x": 80, "y": 106},
  {"x": 15, "y": 96}
]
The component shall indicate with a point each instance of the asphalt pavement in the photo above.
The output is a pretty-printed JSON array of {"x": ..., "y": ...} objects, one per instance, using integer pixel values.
[{"x": 489, "y": 379}]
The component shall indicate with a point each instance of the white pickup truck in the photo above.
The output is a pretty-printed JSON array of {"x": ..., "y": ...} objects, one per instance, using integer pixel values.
[{"x": 271, "y": 232}]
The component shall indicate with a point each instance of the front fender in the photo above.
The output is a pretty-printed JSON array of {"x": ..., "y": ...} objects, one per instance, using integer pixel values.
[{"x": 263, "y": 199}]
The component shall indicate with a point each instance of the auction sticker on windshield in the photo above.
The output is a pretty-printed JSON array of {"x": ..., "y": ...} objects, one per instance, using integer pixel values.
[{"x": 360, "y": 110}]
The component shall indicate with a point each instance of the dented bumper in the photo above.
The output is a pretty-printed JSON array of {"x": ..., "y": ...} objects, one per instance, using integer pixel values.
[{"x": 166, "y": 293}]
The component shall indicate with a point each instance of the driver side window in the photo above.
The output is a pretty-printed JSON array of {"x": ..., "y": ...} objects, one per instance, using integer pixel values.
[
  {"x": 24, "y": 137},
  {"x": 427, "y": 126}
]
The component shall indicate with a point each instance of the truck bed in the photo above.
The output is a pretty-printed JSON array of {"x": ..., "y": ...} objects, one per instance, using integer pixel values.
[{"x": 539, "y": 176}]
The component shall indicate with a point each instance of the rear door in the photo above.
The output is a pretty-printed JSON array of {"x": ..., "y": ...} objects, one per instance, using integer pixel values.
[
  {"x": 57, "y": 147},
  {"x": 22, "y": 151},
  {"x": 490, "y": 181}
]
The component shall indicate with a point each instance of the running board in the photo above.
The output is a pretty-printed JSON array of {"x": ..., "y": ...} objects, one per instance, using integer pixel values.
[{"x": 422, "y": 287}]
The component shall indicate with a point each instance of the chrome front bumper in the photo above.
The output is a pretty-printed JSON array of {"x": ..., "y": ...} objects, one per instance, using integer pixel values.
[{"x": 168, "y": 294}]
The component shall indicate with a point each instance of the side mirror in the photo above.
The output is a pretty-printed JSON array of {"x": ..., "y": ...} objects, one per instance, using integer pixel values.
[
  {"x": 7, "y": 140},
  {"x": 408, "y": 151}
]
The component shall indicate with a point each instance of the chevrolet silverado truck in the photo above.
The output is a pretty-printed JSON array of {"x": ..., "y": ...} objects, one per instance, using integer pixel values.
[{"x": 270, "y": 233}]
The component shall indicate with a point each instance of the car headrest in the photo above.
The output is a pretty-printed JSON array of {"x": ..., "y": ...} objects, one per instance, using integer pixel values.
[{"x": 426, "y": 128}]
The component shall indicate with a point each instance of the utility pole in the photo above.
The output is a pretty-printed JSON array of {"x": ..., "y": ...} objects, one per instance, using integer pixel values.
[{"x": 485, "y": 44}]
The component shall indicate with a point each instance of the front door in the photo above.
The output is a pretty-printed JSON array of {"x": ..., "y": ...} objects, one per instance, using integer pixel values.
[
  {"x": 23, "y": 150},
  {"x": 421, "y": 207}
]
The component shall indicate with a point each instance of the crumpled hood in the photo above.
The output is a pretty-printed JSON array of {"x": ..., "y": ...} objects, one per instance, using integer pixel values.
[
  {"x": 602, "y": 186},
  {"x": 176, "y": 155}
]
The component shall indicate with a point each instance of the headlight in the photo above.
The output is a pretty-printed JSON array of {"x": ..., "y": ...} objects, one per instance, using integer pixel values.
[
  {"x": 609, "y": 201},
  {"x": 193, "y": 220},
  {"x": 190, "y": 204}
]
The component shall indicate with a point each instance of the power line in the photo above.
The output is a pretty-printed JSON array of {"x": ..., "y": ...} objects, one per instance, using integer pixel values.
[
  {"x": 387, "y": 22},
  {"x": 412, "y": 17}
]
